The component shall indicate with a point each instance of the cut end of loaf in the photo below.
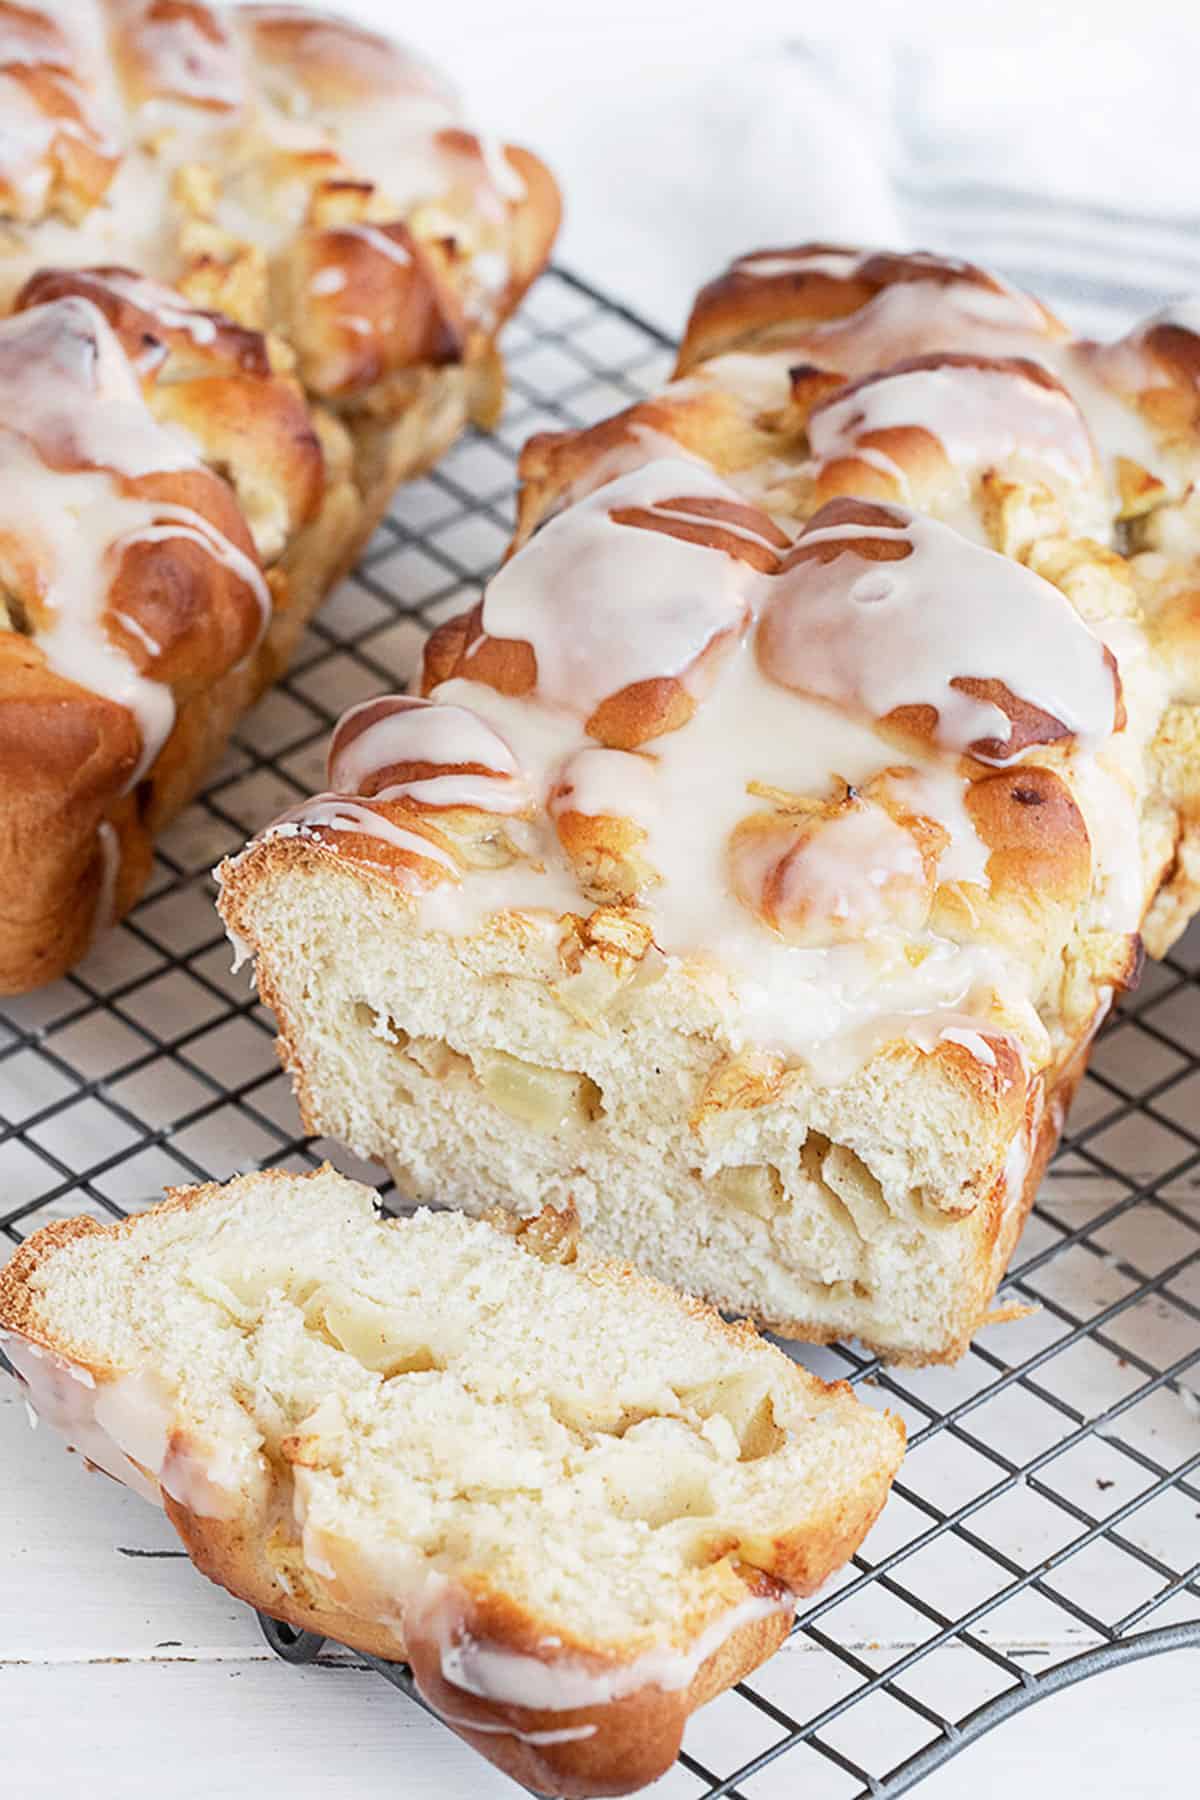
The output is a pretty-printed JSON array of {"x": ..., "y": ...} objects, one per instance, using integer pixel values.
[
  {"x": 576, "y": 1502},
  {"x": 565, "y": 1065}
]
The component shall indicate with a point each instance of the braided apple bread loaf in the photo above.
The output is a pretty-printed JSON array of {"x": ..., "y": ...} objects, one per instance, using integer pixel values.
[
  {"x": 254, "y": 269},
  {"x": 774, "y": 833},
  {"x": 404, "y": 1435}
]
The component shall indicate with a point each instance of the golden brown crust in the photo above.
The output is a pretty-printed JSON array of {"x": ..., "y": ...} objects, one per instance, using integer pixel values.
[
  {"x": 332, "y": 61},
  {"x": 1156, "y": 366},
  {"x": 216, "y": 380},
  {"x": 823, "y": 282},
  {"x": 559, "y": 466},
  {"x": 63, "y": 754},
  {"x": 406, "y": 309},
  {"x": 605, "y": 850},
  {"x": 1039, "y": 868},
  {"x": 612, "y": 1748},
  {"x": 742, "y": 301}
]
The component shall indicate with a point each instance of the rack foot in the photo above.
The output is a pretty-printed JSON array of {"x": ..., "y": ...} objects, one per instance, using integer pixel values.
[{"x": 292, "y": 1645}]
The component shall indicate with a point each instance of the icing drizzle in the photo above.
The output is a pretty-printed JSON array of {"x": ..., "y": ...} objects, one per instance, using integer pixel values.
[
  {"x": 605, "y": 605},
  {"x": 910, "y": 630}
]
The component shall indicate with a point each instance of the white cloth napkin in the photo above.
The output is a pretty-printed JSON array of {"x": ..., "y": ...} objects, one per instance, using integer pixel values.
[{"x": 1071, "y": 166}]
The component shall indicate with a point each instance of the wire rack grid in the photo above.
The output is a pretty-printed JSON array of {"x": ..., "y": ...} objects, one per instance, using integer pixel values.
[{"x": 1045, "y": 1524}]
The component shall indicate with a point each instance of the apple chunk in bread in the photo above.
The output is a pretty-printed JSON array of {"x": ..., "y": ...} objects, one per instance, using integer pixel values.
[{"x": 822, "y": 873}]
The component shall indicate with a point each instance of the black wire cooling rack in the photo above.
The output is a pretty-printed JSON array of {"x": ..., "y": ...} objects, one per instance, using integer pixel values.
[{"x": 1046, "y": 1524}]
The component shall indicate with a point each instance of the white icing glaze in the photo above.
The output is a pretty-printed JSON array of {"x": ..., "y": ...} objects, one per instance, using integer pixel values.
[
  {"x": 377, "y": 240},
  {"x": 136, "y": 629},
  {"x": 64, "y": 1395},
  {"x": 581, "y": 586},
  {"x": 75, "y": 547},
  {"x": 491, "y": 272},
  {"x": 412, "y": 730},
  {"x": 215, "y": 105},
  {"x": 26, "y": 134},
  {"x": 976, "y": 1035},
  {"x": 182, "y": 522},
  {"x": 800, "y": 262},
  {"x": 603, "y": 783},
  {"x": 327, "y": 281},
  {"x": 916, "y": 318},
  {"x": 883, "y": 635},
  {"x": 398, "y": 139},
  {"x": 606, "y": 605},
  {"x": 511, "y": 1678},
  {"x": 1016, "y": 1167},
  {"x": 67, "y": 386},
  {"x": 130, "y": 227},
  {"x": 939, "y": 794},
  {"x": 565, "y": 1734},
  {"x": 336, "y": 812},
  {"x": 1101, "y": 381},
  {"x": 331, "y": 38},
  {"x": 980, "y": 416},
  {"x": 1106, "y": 799},
  {"x": 501, "y": 172},
  {"x": 429, "y": 1610},
  {"x": 578, "y": 594},
  {"x": 124, "y": 1424},
  {"x": 29, "y": 41},
  {"x": 760, "y": 380},
  {"x": 417, "y": 731},
  {"x": 874, "y": 458},
  {"x": 912, "y": 318},
  {"x": 163, "y": 303},
  {"x": 483, "y": 792}
]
